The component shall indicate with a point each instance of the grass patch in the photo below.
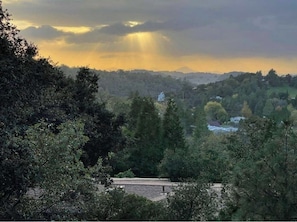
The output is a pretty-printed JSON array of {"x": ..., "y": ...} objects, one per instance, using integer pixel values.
[{"x": 283, "y": 89}]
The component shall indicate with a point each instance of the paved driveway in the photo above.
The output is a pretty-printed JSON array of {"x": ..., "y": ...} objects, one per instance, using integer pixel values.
[{"x": 152, "y": 188}]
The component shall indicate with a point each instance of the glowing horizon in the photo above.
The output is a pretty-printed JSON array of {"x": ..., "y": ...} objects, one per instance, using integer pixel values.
[{"x": 158, "y": 62}]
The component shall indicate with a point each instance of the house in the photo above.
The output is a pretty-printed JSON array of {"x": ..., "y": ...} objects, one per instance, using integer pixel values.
[
  {"x": 161, "y": 97},
  {"x": 236, "y": 119}
]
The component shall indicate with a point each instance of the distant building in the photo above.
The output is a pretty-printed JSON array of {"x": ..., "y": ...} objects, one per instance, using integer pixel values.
[
  {"x": 215, "y": 127},
  {"x": 161, "y": 97},
  {"x": 236, "y": 119},
  {"x": 218, "y": 129},
  {"x": 218, "y": 98}
]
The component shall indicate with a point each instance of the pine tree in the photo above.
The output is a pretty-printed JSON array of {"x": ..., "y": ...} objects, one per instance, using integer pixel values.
[
  {"x": 174, "y": 164},
  {"x": 263, "y": 178},
  {"x": 201, "y": 129},
  {"x": 268, "y": 108},
  {"x": 147, "y": 150},
  {"x": 173, "y": 134}
]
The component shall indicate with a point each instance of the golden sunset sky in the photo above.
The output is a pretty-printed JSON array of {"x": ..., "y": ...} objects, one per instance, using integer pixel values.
[{"x": 162, "y": 35}]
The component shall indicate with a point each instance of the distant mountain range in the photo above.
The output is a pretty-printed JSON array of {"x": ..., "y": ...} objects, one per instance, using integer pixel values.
[{"x": 196, "y": 78}]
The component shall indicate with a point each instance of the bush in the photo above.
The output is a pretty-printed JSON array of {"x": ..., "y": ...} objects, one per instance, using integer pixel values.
[
  {"x": 193, "y": 201},
  {"x": 118, "y": 205},
  {"x": 128, "y": 173}
]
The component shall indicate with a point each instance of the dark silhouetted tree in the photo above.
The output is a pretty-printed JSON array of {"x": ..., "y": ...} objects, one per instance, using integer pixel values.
[{"x": 147, "y": 150}]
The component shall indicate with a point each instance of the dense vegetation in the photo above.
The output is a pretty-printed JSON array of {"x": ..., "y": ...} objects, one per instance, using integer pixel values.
[{"x": 63, "y": 135}]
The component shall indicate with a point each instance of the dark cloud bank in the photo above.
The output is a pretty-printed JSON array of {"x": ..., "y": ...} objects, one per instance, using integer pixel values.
[{"x": 224, "y": 28}]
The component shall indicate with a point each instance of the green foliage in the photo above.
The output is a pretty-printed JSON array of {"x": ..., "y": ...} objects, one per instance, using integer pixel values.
[
  {"x": 104, "y": 132},
  {"x": 283, "y": 90},
  {"x": 16, "y": 176},
  {"x": 118, "y": 205},
  {"x": 293, "y": 117},
  {"x": 280, "y": 114},
  {"x": 192, "y": 201},
  {"x": 246, "y": 111},
  {"x": 176, "y": 165},
  {"x": 272, "y": 78},
  {"x": 128, "y": 174},
  {"x": 120, "y": 161},
  {"x": 86, "y": 85},
  {"x": 213, "y": 158},
  {"x": 201, "y": 129},
  {"x": 64, "y": 185},
  {"x": 268, "y": 108},
  {"x": 56, "y": 152},
  {"x": 144, "y": 127},
  {"x": 10, "y": 43},
  {"x": 263, "y": 175},
  {"x": 215, "y": 111},
  {"x": 254, "y": 88},
  {"x": 101, "y": 126},
  {"x": 41, "y": 144},
  {"x": 173, "y": 134}
]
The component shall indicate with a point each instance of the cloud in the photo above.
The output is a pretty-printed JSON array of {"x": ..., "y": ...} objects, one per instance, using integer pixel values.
[
  {"x": 46, "y": 32},
  {"x": 220, "y": 28},
  {"x": 93, "y": 36}
]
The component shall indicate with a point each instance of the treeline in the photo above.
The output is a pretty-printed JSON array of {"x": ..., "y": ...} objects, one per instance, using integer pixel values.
[
  {"x": 256, "y": 89},
  {"x": 122, "y": 83},
  {"x": 267, "y": 95},
  {"x": 61, "y": 138}
]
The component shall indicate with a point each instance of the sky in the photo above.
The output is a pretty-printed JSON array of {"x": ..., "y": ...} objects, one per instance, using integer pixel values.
[{"x": 215, "y": 36}]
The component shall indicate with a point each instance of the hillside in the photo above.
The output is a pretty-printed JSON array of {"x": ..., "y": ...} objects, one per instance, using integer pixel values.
[
  {"x": 149, "y": 83},
  {"x": 196, "y": 89}
]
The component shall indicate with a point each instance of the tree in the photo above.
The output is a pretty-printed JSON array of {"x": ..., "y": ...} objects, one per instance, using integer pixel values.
[
  {"x": 174, "y": 164},
  {"x": 246, "y": 111},
  {"x": 192, "y": 201},
  {"x": 215, "y": 111},
  {"x": 86, "y": 85},
  {"x": 63, "y": 184},
  {"x": 293, "y": 117},
  {"x": 258, "y": 110},
  {"x": 102, "y": 127},
  {"x": 16, "y": 175},
  {"x": 10, "y": 43},
  {"x": 263, "y": 177},
  {"x": 135, "y": 109},
  {"x": 116, "y": 204},
  {"x": 173, "y": 135},
  {"x": 16, "y": 170},
  {"x": 33, "y": 91},
  {"x": 104, "y": 132},
  {"x": 201, "y": 129},
  {"x": 280, "y": 114},
  {"x": 213, "y": 158},
  {"x": 273, "y": 78},
  {"x": 179, "y": 165},
  {"x": 268, "y": 108},
  {"x": 146, "y": 150}
]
